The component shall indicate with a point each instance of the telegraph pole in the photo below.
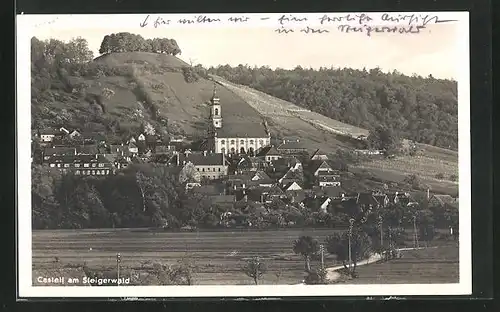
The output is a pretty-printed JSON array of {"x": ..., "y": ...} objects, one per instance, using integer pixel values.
[
  {"x": 321, "y": 249},
  {"x": 351, "y": 221},
  {"x": 380, "y": 220},
  {"x": 415, "y": 234},
  {"x": 118, "y": 260}
]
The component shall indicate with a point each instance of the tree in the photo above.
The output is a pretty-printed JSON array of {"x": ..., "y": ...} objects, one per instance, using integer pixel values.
[
  {"x": 306, "y": 246},
  {"x": 255, "y": 268},
  {"x": 338, "y": 245},
  {"x": 105, "y": 45},
  {"x": 384, "y": 138},
  {"x": 413, "y": 180}
]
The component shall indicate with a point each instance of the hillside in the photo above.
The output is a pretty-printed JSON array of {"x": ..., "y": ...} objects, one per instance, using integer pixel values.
[
  {"x": 422, "y": 109},
  {"x": 135, "y": 88}
]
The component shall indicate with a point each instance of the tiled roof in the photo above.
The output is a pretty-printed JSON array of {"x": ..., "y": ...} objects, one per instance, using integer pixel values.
[
  {"x": 290, "y": 145},
  {"x": 199, "y": 159},
  {"x": 87, "y": 149},
  {"x": 78, "y": 159},
  {"x": 223, "y": 199},
  {"x": 318, "y": 163},
  {"x": 241, "y": 130},
  {"x": 50, "y": 131},
  {"x": 269, "y": 151},
  {"x": 67, "y": 150}
]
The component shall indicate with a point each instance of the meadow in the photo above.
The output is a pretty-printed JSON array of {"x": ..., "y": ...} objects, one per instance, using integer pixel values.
[{"x": 217, "y": 255}]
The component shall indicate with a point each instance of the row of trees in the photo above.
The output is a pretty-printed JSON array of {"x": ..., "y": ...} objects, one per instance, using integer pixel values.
[
  {"x": 127, "y": 42},
  {"x": 421, "y": 109},
  {"x": 150, "y": 195}
]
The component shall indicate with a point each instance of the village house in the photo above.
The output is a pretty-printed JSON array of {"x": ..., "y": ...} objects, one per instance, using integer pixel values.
[
  {"x": 269, "y": 153},
  {"x": 328, "y": 178},
  {"x": 120, "y": 151},
  {"x": 50, "y": 135},
  {"x": 317, "y": 203},
  {"x": 133, "y": 149},
  {"x": 291, "y": 147},
  {"x": 260, "y": 178},
  {"x": 208, "y": 165},
  {"x": 330, "y": 191},
  {"x": 91, "y": 149},
  {"x": 58, "y": 151},
  {"x": 319, "y": 155},
  {"x": 292, "y": 186},
  {"x": 74, "y": 134},
  {"x": 403, "y": 198},
  {"x": 437, "y": 200},
  {"x": 292, "y": 175},
  {"x": 316, "y": 166},
  {"x": 82, "y": 164}
]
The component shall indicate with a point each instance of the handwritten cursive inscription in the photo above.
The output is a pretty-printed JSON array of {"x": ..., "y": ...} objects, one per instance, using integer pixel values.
[
  {"x": 413, "y": 19},
  {"x": 369, "y": 24},
  {"x": 358, "y": 18},
  {"x": 368, "y": 30}
]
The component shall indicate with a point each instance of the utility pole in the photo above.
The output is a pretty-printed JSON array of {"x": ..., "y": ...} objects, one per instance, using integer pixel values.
[
  {"x": 351, "y": 221},
  {"x": 321, "y": 249},
  {"x": 415, "y": 234},
  {"x": 380, "y": 220},
  {"x": 118, "y": 260}
]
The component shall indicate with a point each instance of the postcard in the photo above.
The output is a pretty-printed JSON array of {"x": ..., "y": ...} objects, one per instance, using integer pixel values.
[{"x": 243, "y": 155}]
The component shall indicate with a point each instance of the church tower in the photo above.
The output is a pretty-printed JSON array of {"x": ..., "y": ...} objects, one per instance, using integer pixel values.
[{"x": 215, "y": 111}]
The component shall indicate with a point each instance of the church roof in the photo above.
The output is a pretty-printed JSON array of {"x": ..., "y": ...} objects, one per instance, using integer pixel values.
[{"x": 241, "y": 130}]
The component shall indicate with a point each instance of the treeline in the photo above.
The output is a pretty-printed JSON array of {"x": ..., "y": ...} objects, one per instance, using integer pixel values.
[
  {"x": 127, "y": 42},
  {"x": 421, "y": 109},
  {"x": 151, "y": 195}
]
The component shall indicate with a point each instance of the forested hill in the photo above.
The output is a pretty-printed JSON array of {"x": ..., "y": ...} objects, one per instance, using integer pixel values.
[{"x": 421, "y": 109}]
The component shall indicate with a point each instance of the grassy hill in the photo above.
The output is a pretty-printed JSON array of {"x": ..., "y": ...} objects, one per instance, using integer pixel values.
[{"x": 143, "y": 88}]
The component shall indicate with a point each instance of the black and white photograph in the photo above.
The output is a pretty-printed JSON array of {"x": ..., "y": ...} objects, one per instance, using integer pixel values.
[{"x": 198, "y": 155}]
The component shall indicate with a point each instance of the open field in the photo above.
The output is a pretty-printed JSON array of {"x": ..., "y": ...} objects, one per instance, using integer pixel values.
[
  {"x": 218, "y": 256},
  {"x": 433, "y": 265}
]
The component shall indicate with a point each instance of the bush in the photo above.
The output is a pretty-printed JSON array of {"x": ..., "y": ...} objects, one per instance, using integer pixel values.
[
  {"x": 440, "y": 176},
  {"x": 316, "y": 277},
  {"x": 189, "y": 74},
  {"x": 454, "y": 178}
]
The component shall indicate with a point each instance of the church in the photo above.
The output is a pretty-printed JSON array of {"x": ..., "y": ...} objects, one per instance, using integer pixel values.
[{"x": 232, "y": 139}]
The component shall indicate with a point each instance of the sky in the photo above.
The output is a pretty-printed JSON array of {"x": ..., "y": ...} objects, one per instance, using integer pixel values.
[{"x": 433, "y": 51}]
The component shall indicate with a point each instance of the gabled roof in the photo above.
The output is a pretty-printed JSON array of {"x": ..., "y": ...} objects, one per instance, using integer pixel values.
[
  {"x": 314, "y": 165},
  {"x": 290, "y": 145},
  {"x": 330, "y": 191},
  {"x": 223, "y": 199},
  {"x": 200, "y": 159},
  {"x": 78, "y": 159},
  {"x": 260, "y": 176},
  {"x": 294, "y": 174},
  {"x": 289, "y": 184},
  {"x": 366, "y": 199},
  {"x": 274, "y": 190},
  {"x": 211, "y": 189},
  {"x": 50, "y": 131},
  {"x": 62, "y": 150},
  {"x": 444, "y": 199},
  {"x": 318, "y": 153},
  {"x": 87, "y": 149},
  {"x": 269, "y": 151}
]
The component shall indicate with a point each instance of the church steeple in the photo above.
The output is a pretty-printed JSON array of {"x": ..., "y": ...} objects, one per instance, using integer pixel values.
[{"x": 215, "y": 110}]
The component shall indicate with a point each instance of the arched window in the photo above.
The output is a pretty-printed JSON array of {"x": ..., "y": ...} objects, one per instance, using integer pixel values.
[
  {"x": 242, "y": 150},
  {"x": 232, "y": 142},
  {"x": 232, "y": 150},
  {"x": 251, "y": 141},
  {"x": 223, "y": 142},
  {"x": 223, "y": 150},
  {"x": 216, "y": 112},
  {"x": 242, "y": 141}
]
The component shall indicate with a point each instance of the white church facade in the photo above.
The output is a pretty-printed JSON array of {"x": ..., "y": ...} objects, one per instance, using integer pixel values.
[{"x": 237, "y": 139}]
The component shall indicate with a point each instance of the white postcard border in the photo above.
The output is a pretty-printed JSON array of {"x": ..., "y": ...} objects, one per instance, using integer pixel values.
[{"x": 24, "y": 25}]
